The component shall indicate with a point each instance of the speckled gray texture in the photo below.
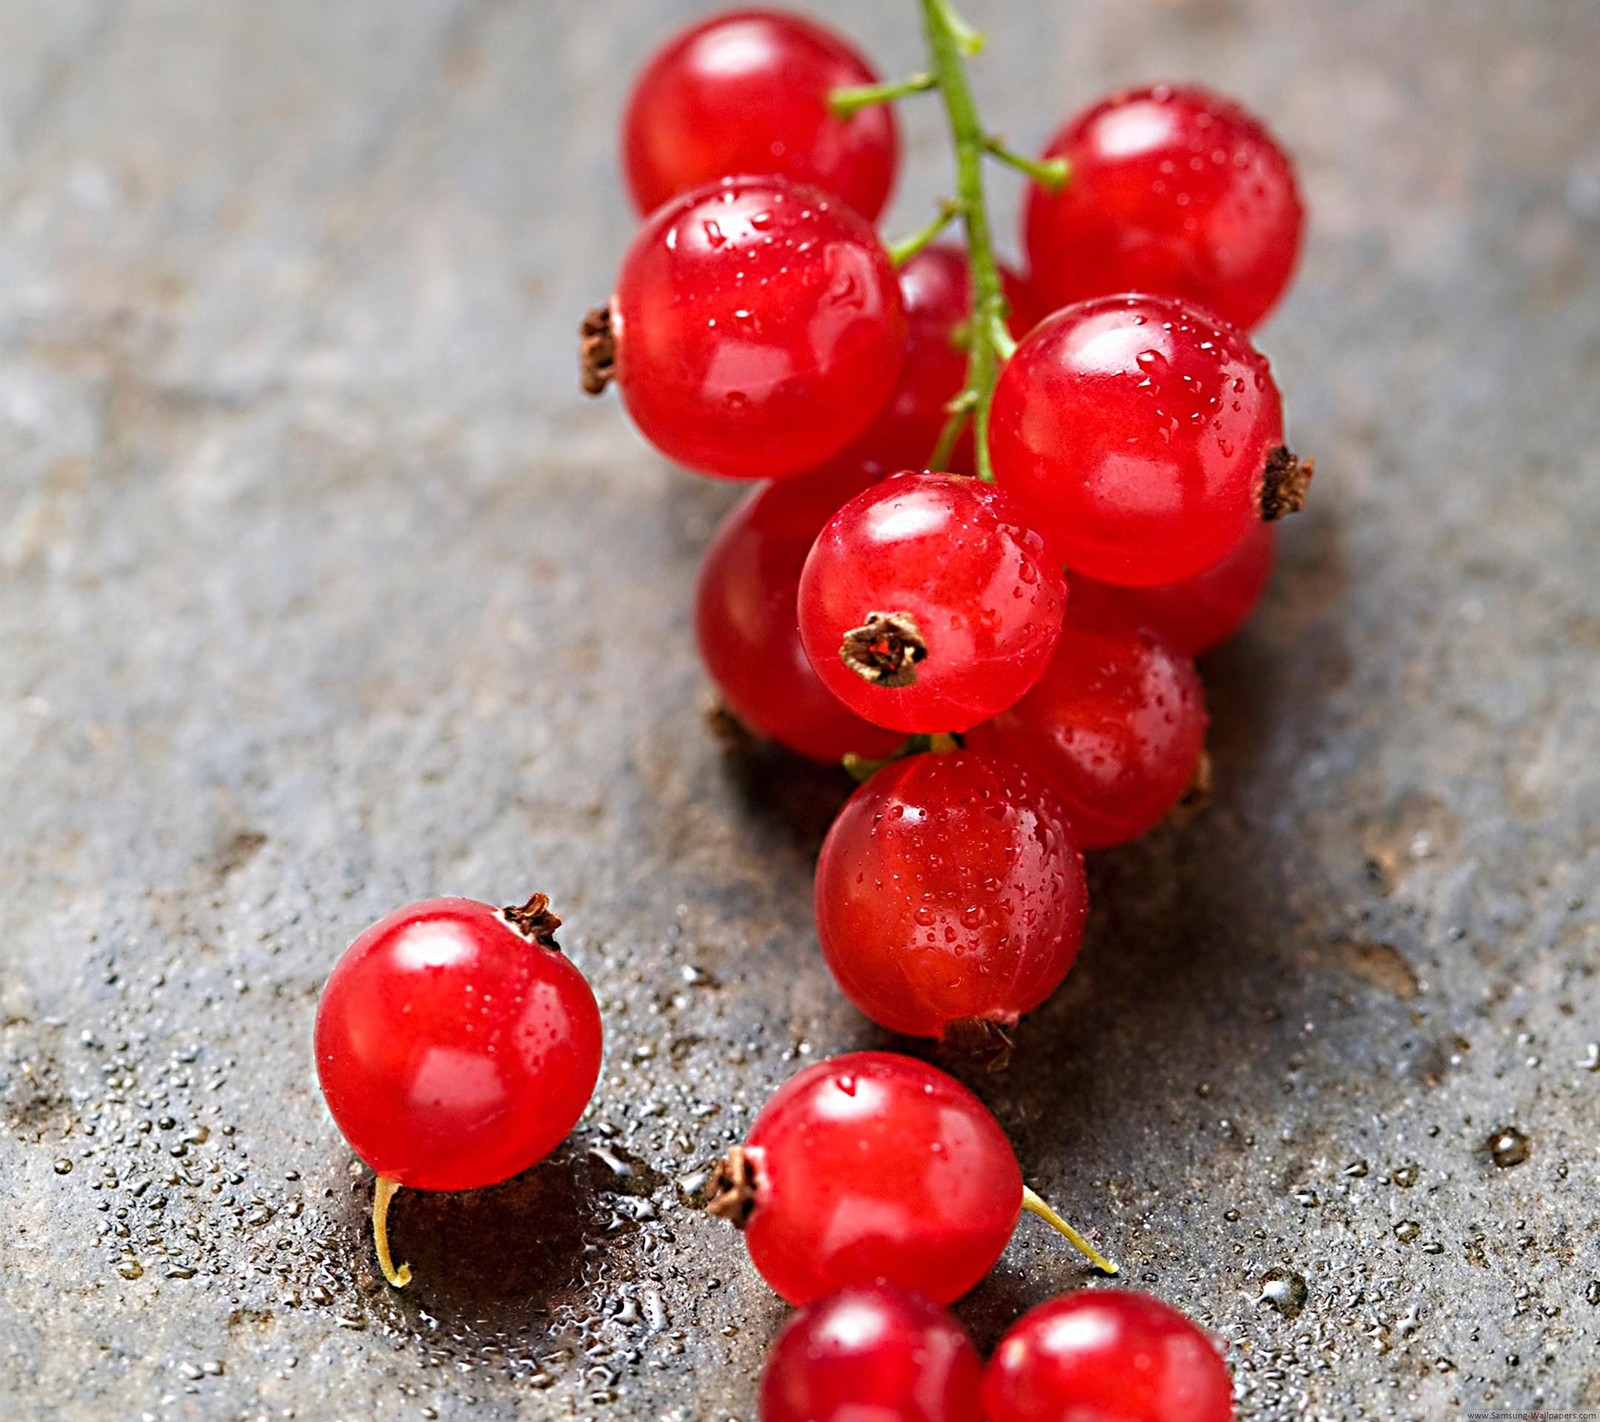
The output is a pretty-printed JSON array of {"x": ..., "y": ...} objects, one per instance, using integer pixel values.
[{"x": 321, "y": 589}]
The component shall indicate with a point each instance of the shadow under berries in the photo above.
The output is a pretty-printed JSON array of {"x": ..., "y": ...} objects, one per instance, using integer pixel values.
[{"x": 516, "y": 1248}]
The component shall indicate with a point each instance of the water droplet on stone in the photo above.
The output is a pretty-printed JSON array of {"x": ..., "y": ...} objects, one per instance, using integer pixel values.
[
  {"x": 1284, "y": 1290},
  {"x": 1508, "y": 1146}
]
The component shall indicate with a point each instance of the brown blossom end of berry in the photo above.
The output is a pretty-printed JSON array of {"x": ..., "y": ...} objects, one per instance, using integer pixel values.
[
  {"x": 732, "y": 1189},
  {"x": 1197, "y": 794},
  {"x": 885, "y": 649},
  {"x": 1285, "y": 482},
  {"x": 597, "y": 350},
  {"x": 731, "y": 733},
  {"x": 534, "y": 921},
  {"x": 979, "y": 1042}
]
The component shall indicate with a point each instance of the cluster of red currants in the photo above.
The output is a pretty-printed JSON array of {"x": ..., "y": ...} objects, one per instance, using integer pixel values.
[
  {"x": 1033, "y": 629},
  {"x": 872, "y": 1190},
  {"x": 1002, "y": 514}
]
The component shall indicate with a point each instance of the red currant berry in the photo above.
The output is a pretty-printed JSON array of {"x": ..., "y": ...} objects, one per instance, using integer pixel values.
[
  {"x": 1200, "y": 613},
  {"x": 455, "y": 1046},
  {"x": 1116, "y": 726},
  {"x": 950, "y": 896},
  {"x": 873, "y": 1168},
  {"x": 935, "y": 287},
  {"x": 1110, "y": 1356},
  {"x": 747, "y": 627},
  {"x": 756, "y": 329},
  {"x": 927, "y": 605},
  {"x": 1170, "y": 190},
  {"x": 747, "y": 92},
  {"x": 876, "y": 1354},
  {"x": 1142, "y": 437}
]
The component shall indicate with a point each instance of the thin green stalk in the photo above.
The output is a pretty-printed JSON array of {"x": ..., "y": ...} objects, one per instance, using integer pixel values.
[
  {"x": 845, "y": 102},
  {"x": 906, "y": 248},
  {"x": 950, "y": 42},
  {"x": 1051, "y": 173}
]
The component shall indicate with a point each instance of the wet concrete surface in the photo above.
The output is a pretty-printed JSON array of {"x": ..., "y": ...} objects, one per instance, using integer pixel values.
[{"x": 321, "y": 590}]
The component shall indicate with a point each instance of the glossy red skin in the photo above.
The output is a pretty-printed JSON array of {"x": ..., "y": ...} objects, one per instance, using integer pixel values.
[
  {"x": 758, "y": 328},
  {"x": 1200, "y": 613},
  {"x": 747, "y": 627},
  {"x": 1106, "y": 1355},
  {"x": 878, "y": 1354},
  {"x": 1116, "y": 725},
  {"x": 935, "y": 287},
  {"x": 452, "y": 1052},
  {"x": 949, "y": 887},
  {"x": 747, "y": 92},
  {"x": 956, "y": 555},
  {"x": 1172, "y": 190},
  {"x": 876, "y": 1168},
  {"x": 1133, "y": 431}
]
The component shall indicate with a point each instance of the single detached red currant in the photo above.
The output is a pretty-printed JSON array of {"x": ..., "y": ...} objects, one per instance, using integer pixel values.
[
  {"x": 1171, "y": 190},
  {"x": 1116, "y": 726},
  {"x": 936, "y": 289},
  {"x": 747, "y": 92},
  {"x": 455, "y": 1047},
  {"x": 927, "y": 604},
  {"x": 747, "y": 627},
  {"x": 950, "y": 896},
  {"x": 1110, "y": 1356},
  {"x": 1202, "y": 612},
  {"x": 873, "y": 1168},
  {"x": 877, "y": 1354},
  {"x": 1142, "y": 437},
  {"x": 756, "y": 329}
]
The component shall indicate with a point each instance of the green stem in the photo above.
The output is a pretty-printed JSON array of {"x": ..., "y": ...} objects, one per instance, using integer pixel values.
[
  {"x": 844, "y": 102},
  {"x": 950, "y": 42},
  {"x": 1034, "y": 1205},
  {"x": 906, "y": 248},
  {"x": 382, "y": 1193},
  {"x": 1051, "y": 173}
]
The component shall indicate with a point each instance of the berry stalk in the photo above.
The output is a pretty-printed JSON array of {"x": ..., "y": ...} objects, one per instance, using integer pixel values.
[{"x": 951, "y": 41}]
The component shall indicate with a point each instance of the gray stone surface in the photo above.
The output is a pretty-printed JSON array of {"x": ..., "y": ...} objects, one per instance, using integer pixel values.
[{"x": 321, "y": 589}]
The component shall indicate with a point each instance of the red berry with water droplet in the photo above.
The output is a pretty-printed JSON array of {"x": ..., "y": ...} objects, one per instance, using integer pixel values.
[
  {"x": 1110, "y": 1356},
  {"x": 936, "y": 289},
  {"x": 755, "y": 331},
  {"x": 748, "y": 92},
  {"x": 873, "y": 1168},
  {"x": 747, "y": 627},
  {"x": 1116, "y": 726},
  {"x": 872, "y": 1354},
  {"x": 950, "y": 895},
  {"x": 1170, "y": 190},
  {"x": 1142, "y": 437},
  {"x": 455, "y": 1046},
  {"x": 928, "y": 605},
  {"x": 1200, "y": 613}
]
